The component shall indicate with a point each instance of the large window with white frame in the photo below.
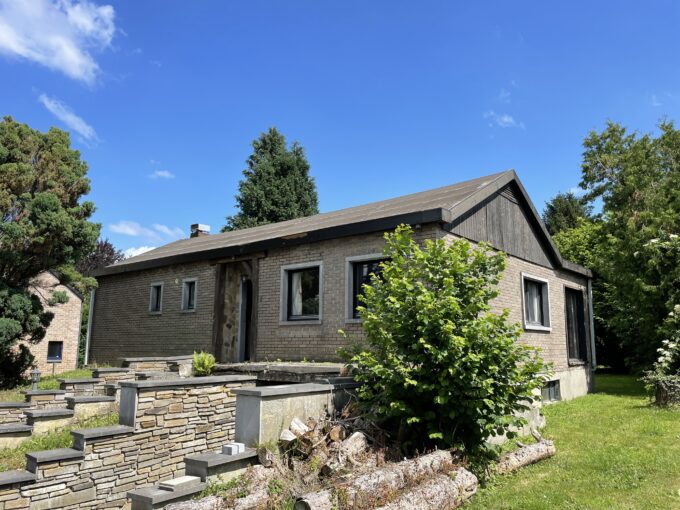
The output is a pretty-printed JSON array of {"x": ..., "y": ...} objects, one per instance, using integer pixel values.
[
  {"x": 536, "y": 303},
  {"x": 189, "y": 295},
  {"x": 156, "y": 298},
  {"x": 301, "y": 294},
  {"x": 358, "y": 273}
]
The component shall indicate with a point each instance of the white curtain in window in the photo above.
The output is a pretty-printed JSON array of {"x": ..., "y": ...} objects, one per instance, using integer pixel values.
[
  {"x": 296, "y": 293},
  {"x": 532, "y": 296}
]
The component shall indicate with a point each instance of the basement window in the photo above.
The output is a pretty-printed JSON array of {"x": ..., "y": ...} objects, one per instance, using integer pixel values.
[
  {"x": 55, "y": 351},
  {"x": 551, "y": 392},
  {"x": 189, "y": 295},
  {"x": 536, "y": 303},
  {"x": 301, "y": 292},
  {"x": 156, "y": 298}
]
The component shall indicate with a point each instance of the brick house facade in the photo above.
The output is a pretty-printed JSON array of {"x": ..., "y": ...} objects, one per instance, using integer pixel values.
[
  {"x": 243, "y": 281},
  {"x": 58, "y": 351}
]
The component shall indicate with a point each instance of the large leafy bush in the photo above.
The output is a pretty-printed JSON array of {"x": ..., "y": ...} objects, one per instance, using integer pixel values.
[{"x": 437, "y": 366}]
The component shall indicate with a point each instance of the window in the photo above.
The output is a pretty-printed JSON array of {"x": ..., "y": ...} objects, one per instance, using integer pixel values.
[
  {"x": 156, "y": 298},
  {"x": 361, "y": 271},
  {"x": 551, "y": 391},
  {"x": 189, "y": 295},
  {"x": 54, "y": 351},
  {"x": 576, "y": 324},
  {"x": 301, "y": 292},
  {"x": 536, "y": 303}
]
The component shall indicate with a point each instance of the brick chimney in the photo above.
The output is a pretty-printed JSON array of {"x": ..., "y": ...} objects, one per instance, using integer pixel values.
[{"x": 198, "y": 229}]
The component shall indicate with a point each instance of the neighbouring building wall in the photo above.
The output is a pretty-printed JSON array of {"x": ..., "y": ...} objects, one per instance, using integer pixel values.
[
  {"x": 64, "y": 328},
  {"x": 123, "y": 326},
  {"x": 320, "y": 341}
]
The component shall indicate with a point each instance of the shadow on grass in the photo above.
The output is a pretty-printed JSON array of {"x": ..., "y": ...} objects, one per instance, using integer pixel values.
[{"x": 619, "y": 385}]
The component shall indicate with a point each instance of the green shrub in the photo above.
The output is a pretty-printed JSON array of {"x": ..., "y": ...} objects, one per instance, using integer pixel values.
[
  {"x": 438, "y": 367},
  {"x": 204, "y": 363}
]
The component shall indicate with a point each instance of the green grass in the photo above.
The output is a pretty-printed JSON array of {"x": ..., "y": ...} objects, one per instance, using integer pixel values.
[
  {"x": 46, "y": 383},
  {"x": 15, "y": 458},
  {"x": 614, "y": 451}
]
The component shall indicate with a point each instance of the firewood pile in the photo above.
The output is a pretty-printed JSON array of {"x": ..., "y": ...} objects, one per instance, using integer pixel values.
[{"x": 336, "y": 463}]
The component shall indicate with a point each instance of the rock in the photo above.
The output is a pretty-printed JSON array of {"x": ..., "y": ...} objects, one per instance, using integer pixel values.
[
  {"x": 298, "y": 427},
  {"x": 209, "y": 503},
  {"x": 287, "y": 436}
]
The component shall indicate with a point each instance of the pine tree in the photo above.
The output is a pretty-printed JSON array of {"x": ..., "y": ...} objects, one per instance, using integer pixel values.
[{"x": 276, "y": 184}]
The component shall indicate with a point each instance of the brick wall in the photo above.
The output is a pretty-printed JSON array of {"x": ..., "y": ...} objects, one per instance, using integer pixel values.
[
  {"x": 65, "y": 326},
  {"x": 123, "y": 327},
  {"x": 315, "y": 342}
]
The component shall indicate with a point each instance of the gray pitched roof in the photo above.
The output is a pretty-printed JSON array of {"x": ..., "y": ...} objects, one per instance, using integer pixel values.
[{"x": 437, "y": 205}]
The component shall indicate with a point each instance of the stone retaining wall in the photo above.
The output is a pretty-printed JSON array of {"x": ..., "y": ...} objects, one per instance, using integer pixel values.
[
  {"x": 12, "y": 412},
  {"x": 161, "y": 422}
]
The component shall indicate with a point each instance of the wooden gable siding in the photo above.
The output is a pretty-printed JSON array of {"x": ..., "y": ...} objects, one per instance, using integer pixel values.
[{"x": 502, "y": 221}]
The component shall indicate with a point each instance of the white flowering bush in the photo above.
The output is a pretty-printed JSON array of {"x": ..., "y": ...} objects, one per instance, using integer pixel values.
[{"x": 663, "y": 382}]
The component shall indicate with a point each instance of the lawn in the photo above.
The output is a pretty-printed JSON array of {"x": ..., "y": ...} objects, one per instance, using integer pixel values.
[
  {"x": 15, "y": 458},
  {"x": 614, "y": 451},
  {"x": 46, "y": 383}
]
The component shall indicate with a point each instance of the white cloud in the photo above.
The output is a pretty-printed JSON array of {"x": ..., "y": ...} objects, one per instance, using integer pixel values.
[
  {"x": 156, "y": 234},
  {"x": 175, "y": 232},
  {"x": 655, "y": 101},
  {"x": 502, "y": 120},
  {"x": 66, "y": 115},
  {"x": 504, "y": 96},
  {"x": 161, "y": 174},
  {"x": 57, "y": 34},
  {"x": 133, "y": 252}
]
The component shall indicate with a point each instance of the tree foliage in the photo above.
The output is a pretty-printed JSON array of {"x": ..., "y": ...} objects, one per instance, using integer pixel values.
[
  {"x": 437, "y": 365},
  {"x": 564, "y": 211},
  {"x": 276, "y": 184},
  {"x": 44, "y": 226},
  {"x": 630, "y": 243},
  {"x": 104, "y": 254}
]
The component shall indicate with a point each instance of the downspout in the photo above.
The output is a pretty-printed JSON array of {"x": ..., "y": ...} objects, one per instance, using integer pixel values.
[
  {"x": 90, "y": 313},
  {"x": 593, "y": 360}
]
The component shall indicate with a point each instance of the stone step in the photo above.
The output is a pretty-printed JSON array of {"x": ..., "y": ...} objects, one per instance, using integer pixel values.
[
  {"x": 81, "y": 437},
  {"x": 14, "y": 477},
  {"x": 13, "y": 412},
  {"x": 176, "y": 484},
  {"x": 87, "y": 406},
  {"x": 47, "y": 420},
  {"x": 45, "y": 398},
  {"x": 218, "y": 466},
  {"x": 151, "y": 498},
  {"x": 82, "y": 386},
  {"x": 13, "y": 434},
  {"x": 34, "y": 459}
]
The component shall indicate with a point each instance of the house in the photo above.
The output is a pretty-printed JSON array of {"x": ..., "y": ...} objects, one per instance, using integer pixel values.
[
  {"x": 58, "y": 351},
  {"x": 282, "y": 291}
]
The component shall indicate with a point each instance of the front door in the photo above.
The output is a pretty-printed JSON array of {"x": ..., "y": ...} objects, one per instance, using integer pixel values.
[{"x": 245, "y": 319}]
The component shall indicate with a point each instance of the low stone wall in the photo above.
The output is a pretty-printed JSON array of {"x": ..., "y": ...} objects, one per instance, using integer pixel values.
[
  {"x": 262, "y": 413},
  {"x": 160, "y": 423},
  {"x": 45, "y": 399},
  {"x": 156, "y": 364},
  {"x": 13, "y": 412},
  {"x": 113, "y": 375}
]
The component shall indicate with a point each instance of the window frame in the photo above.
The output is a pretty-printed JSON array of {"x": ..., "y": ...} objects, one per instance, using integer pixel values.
[
  {"x": 349, "y": 282},
  {"x": 60, "y": 359},
  {"x": 555, "y": 386},
  {"x": 183, "y": 303},
  {"x": 151, "y": 287},
  {"x": 284, "y": 318},
  {"x": 586, "y": 340},
  {"x": 547, "y": 325}
]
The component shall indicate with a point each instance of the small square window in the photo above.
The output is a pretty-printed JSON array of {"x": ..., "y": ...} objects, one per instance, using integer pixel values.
[
  {"x": 536, "y": 303},
  {"x": 156, "y": 298},
  {"x": 361, "y": 275},
  {"x": 302, "y": 293},
  {"x": 189, "y": 295},
  {"x": 551, "y": 392},
  {"x": 54, "y": 351}
]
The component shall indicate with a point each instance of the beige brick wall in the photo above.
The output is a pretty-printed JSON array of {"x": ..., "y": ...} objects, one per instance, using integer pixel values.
[
  {"x": 65, "y": 326},
  {"x": 315, "y": 342},
  {"x": 123, "y": 327}
]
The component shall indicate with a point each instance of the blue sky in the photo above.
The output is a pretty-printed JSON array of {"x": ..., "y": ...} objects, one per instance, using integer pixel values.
[{"x": 163, "y": 98}]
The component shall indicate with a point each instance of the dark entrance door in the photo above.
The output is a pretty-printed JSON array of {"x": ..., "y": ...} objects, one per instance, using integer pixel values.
[
  {"x": 576, "y": 324},
  {"x": 245, "y": 320}
]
